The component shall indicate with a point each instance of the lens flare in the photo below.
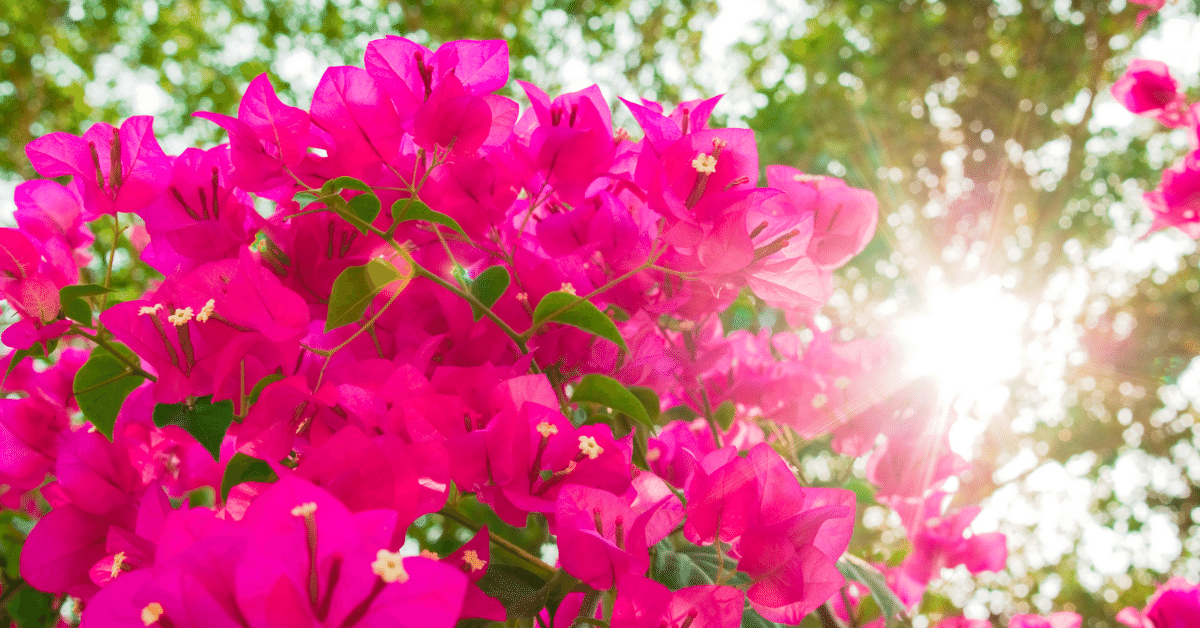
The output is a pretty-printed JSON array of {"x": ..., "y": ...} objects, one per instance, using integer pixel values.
[{"x": 970, "y": 339}]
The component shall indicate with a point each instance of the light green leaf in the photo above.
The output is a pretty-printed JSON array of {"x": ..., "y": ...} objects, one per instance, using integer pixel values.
[
  {"x": 607, "y": 391},
  {"x": 583, "y": 315},
  {"x": 356, "y": 287},
  {"x": 863, "y": 573}
]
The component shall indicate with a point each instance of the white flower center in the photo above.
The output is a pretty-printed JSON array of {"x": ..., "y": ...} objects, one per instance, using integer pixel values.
[
  {"x": 589, "y": 447},
  {"x": 181, "y": 316},
  {"x": 389, "y": 566},
  {"x": 705, "y": 163}
]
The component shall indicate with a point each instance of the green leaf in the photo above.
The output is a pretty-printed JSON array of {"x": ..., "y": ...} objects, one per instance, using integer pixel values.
[
  {"x": 522, "y": 592},
  {"x": 333, "y": 186},
  {"x": 101, "y": 386},
  {"x": 751, "y": 619},
  {"x": 861, "y": 572},
  {"x": 356, "y": 287},
  {"x": 38, "y": 350},
  {"x": 206, "y": 421},
  {"x": 81, "y": 290},
  {"x": 366, "y": 207},
  {"x": 404, "y": 211},
  {"x": 607, "y": 391},
  {"x": 243, "y": 468},
  {"x": 78, "y": 310},
  {"x": 488, "y": 287},
  {"x": 30, "y": 608},
  {"x": 267, "y": 380},
  {"x": 305, "y": 199},
  {"x": 724, "y": 414},
  {"x": 650, "y": 401},
  {"x": 690, "y": 565},
  {"x": 583, "y": 315}
]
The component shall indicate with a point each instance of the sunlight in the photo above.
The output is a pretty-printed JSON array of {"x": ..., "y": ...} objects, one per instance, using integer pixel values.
[{"x": 969, "y": 339}]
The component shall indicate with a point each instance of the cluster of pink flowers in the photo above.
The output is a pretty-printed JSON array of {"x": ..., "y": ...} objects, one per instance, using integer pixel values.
[
  {"x": 541, "y": 288},
  {"x": 1148, "y": 89}
]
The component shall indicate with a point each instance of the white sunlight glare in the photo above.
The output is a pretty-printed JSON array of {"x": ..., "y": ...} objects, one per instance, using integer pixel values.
[{"x": 969, "y": 339}]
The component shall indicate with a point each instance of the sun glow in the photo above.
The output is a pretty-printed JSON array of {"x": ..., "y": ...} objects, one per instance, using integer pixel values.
[{"x": 969, "y": 339}]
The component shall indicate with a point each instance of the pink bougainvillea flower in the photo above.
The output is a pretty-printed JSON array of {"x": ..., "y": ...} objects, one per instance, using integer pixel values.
[
  {"x": 1062, "y": 619},
  {"x": 201, "y": 218},
  {"x": 963, "y": 622},
  {"x": 1153, "y": 6},
  {"x": 473, "y": 558},
  {"x": 141, "y": 176},
  {"x": 1176, "y": 604},
  {"x": 602, "y": 537},
  {"x": 1147, "y": 88},
  {"x": 1176, "y": 201},
  {"x": 844, "y": 218},
  {"x": 53, "y": 215},
  {"x": 265, "y": 138}
]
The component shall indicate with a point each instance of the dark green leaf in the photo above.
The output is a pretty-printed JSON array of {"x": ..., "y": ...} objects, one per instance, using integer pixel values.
[
  {"x": 36, "y": 351},
  {"x": 583, "y": 315},
  {"x": 31, "y": 608},
  {"x": 677, "y": 413},
  {"x": 489, "y": 286},
  {"x": 81, "y": 290},
  {"x": 403, "y": 210},
  {"x": 650, "y": 401},
  {"x": 206, "y": 421},
  {"x": 101, "y": 386},
  {"x": 861, "y": 572},
  {"x": 751, "y": 619},
  {"x": 607, "y": 391},
  {"x": 690, "y": 565},
  {"x": 356, "y": 287},
  {"x": 78, "y": 310},
  {"x": 366, "y": 207},
  {"x": 267, "y": 380},
  {"x": 243, "y": 468},
  {"x": 522, "y": 592}
]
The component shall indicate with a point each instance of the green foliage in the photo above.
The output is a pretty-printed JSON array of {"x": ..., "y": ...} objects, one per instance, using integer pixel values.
[
  {"x": 607, "y": 391},
  {"x": 244, "y": 468},
  {"x": 563, "y": 307},
  {"x": 488, "y": 287},
  {"x": 356, "y": 287},
  {"x": 102, "y": 384},
  {"x": 206, "y": 421},
  {"x": 407, "y": 209}
]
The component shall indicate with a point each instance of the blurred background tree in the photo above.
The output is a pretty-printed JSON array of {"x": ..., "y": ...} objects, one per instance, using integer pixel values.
[{"x": 984, "y": 127}]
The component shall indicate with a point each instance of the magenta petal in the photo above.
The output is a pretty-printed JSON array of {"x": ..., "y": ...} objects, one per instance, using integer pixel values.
[
  {"x": 282, "y": 128},
  {"x": 798, "y": 588},
  {"x": 361, "y": 119},
  {"x": 62, "y": 548}
]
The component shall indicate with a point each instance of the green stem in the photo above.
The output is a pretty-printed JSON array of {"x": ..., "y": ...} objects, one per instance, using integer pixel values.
[
  {"x": 421, "y": 271},
  {"x": 528, "y": 333}
]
